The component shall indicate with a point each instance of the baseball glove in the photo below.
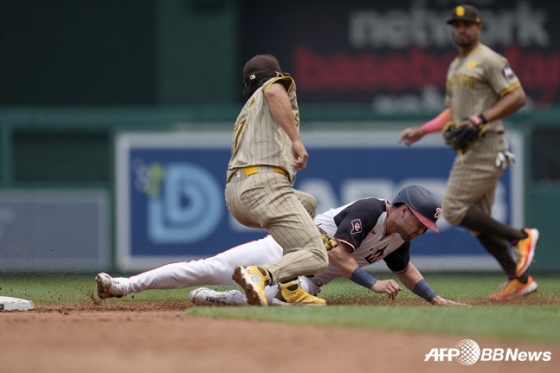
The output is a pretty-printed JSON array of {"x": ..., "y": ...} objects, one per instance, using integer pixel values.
[
  {"x": 329, "y": 241},
  {"x": 462, "y": 135}
]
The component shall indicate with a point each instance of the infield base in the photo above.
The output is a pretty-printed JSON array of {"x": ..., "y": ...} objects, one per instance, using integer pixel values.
[{"x": 15, "y": 304}]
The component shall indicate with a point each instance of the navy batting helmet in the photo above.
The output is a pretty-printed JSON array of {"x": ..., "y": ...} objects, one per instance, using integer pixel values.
[{"x": 423, "y": 204}]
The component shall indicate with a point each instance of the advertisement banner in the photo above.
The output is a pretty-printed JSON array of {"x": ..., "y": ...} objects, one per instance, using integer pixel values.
[
  {"x": 395, "y": 54},
  {"x": 54, "y": 230},
  {"x": 171, "y": 207}
]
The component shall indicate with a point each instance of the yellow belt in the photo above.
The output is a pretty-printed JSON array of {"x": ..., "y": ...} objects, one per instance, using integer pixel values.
[{"x": 254, "y": 170}]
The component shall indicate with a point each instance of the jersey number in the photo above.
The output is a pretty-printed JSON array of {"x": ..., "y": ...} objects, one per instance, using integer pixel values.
[
  {"x": 238, "y": 131},
  {"x": 374, "y": 257}
]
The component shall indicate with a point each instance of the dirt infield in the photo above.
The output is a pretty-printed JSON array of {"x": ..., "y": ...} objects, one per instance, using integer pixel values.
[{"x": 147, "y": 337}]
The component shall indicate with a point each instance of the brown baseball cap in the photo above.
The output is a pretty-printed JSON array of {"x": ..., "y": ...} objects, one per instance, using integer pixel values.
[
  {"x": 261, "y": 66},
  {"x": 467, "y": 13}
]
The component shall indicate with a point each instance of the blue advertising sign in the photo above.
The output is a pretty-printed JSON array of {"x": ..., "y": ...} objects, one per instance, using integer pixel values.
[{"x": 171, "y": 207}]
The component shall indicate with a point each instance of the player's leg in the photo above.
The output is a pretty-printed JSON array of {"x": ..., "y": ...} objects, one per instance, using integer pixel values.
[
  {"x": 471, "y": 190},
  {"x": 473, "y": 178},
  {"x": 474, "y": 182},
  {"x": 480, "y": 221},
  {"x": 209, "y": 297},
  {"x": 215, "y": 270},
  {"x": 271, "y": 200},
  {"x": 492, "y": 234},
  {"x": 519, "y": 283},
  {"x": 308, "y": 201},
  {"x": 304, "y": 251},
  {"x": 468, "y": 200},
  {"x": 287, "y": 220},
  {"x": 498, "y": 248}
]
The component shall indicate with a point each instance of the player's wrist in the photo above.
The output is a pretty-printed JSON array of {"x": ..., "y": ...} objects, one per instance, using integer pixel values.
[
  {"x": 479, "y": 119},
  {"x": 361, "y": 277},
  {"x": 423, "y": 290}
]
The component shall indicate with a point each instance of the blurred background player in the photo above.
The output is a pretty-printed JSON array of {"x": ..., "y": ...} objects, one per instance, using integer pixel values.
[
  {"x": 367, "y": 231},
  {"x": 482, "y": 89}
]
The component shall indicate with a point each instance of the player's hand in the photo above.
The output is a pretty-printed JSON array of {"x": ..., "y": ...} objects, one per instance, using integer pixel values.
[
  {"x": 411, "y": 135},
  {"x": 389, "y": 287},
  {"x": 439, "y": 301},
  {"x": 300, "y": 155},
  {"x": 473, "y": 121}
]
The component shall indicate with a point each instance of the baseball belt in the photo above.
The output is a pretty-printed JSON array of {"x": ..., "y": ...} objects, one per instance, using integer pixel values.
[
  {"x": 254, "y": 170},
  {"x": 251, "y": 170}
]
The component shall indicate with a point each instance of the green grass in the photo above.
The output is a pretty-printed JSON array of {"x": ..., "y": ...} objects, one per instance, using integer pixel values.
[
  {"x": 475, "y": 287},
  {"x": 517, "y": 322},
  {"x": 51, "y": 290},
  {"x": 522, "y": 319}
]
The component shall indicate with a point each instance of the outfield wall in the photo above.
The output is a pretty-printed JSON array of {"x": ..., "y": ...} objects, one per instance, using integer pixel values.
[
  {"x": 170, "y": 204},
  {"x": 68, "y": 151}
]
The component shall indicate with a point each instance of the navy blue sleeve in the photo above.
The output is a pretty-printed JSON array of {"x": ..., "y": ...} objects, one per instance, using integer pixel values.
[
  {"x": 398, "y": 260},
  {"x": 357, "y": 220}
]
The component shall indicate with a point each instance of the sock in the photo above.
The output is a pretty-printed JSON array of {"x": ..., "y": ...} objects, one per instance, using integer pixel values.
[
  {"x": 515, "y": 242},
  {"x": 265, "y": 272},
  {"x": 292, "y": 287},
  {"x": 478, "y": 221},
  {"x": 498, "y": 249}
]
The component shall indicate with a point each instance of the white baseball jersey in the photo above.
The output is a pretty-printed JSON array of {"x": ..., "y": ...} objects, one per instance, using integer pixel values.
[{"x": 360, "y": 224}]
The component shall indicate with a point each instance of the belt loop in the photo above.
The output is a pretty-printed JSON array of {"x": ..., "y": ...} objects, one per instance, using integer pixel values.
[{"x": 280, "y": 170}]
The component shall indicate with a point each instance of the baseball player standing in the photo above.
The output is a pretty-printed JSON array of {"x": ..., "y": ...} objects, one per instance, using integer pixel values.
[
  {"x": 267, "y": 151},
  {"x": 482, "y": 89}
]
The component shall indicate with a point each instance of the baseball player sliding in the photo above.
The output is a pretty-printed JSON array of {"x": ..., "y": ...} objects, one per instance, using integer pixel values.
[
  {"x": 366, "y": 230},
  {"x": 482, "y": 89}
]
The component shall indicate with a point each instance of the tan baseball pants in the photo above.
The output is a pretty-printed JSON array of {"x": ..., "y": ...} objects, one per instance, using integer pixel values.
[
  {"x": 267, "y": 200},
  {"x": 473, "y": 179}
]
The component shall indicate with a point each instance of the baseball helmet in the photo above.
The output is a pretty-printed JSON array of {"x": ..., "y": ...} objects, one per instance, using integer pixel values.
[
  {"x": 259, "y": 67},
  {"x": 423, "y": 204}
]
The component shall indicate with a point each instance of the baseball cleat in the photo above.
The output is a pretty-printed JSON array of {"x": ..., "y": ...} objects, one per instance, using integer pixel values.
[
  {"x": 253, "y": 280},
  {"x": 108, "y": 287},
  {"x": 209, "y": 297},
  {"x": 515, "y": 289},
  {"x": 292, "y": 294},
  {"x": 526, "y": 251}
]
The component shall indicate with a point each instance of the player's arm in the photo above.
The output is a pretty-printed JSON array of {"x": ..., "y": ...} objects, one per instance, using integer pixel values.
[
  {"x": 413, "y": 134},
  {"x": 412, "y": 279},
  {"x": 340, "y": 258},
  {"x": 281, "y": 110},
  {"x": 507, "y": 105}
]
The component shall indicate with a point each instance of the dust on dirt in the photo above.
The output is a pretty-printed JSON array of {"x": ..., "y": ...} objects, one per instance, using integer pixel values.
[{"x": 158, "y": 336}]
